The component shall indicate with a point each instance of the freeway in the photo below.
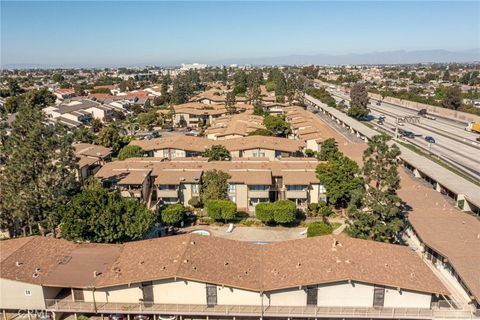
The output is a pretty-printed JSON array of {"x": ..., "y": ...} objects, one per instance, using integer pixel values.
[{"x": 452, "y": 143}]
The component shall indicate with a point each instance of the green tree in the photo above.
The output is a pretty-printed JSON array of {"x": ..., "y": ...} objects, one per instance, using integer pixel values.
[
  {"x": 359, "y": 101},
  {"x": 110, "y": 137},
  {"x": 96, "y": 124},
  {"x": 260, "y": 132},
  {"x": 277, "y": 125},
  {"x": 230, "y": 103},
  {"x": 221, "y": 209},
  {"x": 339, "y": 176},
  {"x": 12, "y": 104},
  {"x": 130, "y": 151},
  {"x": 57, "y": 77},
  {"x": 38, "y": 174},
  {"x": 374, "y": 213},
  {"x": 100, "y": 215},
  {"x": 264, "y": 211},
  {"x": 40, "y": 98},
  {"x": 173, "y": 213},
  {"x": 148, "y": 119},
  {"x": 13, "y": 87},
  {"x": 84, "y": 134},
  {"x": 218, "y": 152},
  {"x": 328, "y": 150},
  {"x": 452, "y": 98},
  {"x": 214, "y": 185}
]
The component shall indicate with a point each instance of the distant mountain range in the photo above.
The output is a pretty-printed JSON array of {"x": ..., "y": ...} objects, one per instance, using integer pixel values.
[{"x": 384, "y": 57}]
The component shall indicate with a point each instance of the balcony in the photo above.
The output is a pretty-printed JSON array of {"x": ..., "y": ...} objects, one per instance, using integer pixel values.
[
  {"x": 259, "y": 311},
  {"x": 167, "y": 193},
  {"x": 258, "y": 193},
  {"x": 296, "y": 194}
]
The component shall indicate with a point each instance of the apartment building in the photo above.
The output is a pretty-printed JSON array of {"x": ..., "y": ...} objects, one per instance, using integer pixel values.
[
  {"x": 90, "y": 158},
  {"x": 252, "y": 180},
  {"x": 234, "y": 126},
  {"x": 195, "y": 276},
  {"x": 194, "y": 114},
  {"x": 306, "y": 127},
  {"x": 249, "y": 146},
  {"x": 77, "y": 112}
]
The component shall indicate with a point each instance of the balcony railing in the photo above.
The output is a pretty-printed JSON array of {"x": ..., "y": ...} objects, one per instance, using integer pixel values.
[{"x": 255, "y": 311}]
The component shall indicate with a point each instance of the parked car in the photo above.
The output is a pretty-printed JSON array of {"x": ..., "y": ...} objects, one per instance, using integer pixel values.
[
  {"x": 44, "y": 315},
  {"x": 155, "y": 134},
  {"x": 429, "y": 139},
  {"x": 141, "y": 317},
  {"x": 117, "y": 317}
]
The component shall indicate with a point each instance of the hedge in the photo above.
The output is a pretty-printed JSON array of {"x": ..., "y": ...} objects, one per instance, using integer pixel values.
[
  {"x": 319, "y": 229},
  {"x": 221, "y": 209},
  {"x": 282, "y": 211}
]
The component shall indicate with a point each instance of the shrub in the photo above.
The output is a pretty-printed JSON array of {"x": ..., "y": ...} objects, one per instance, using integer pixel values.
[
  {"x": 221, "y": 209},
  {"x": 173, "y": 213},
  {"x": 130, "y": 151},
  {"x": 284, "y": 211},
  {"x": 319, "y": 229},
  {"x": 264, "y": 212},
  {"x": 195, "y": 202}
]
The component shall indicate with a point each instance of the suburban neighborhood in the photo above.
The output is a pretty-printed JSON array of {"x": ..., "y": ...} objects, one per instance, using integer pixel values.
[{"x": 201, "y": 186}]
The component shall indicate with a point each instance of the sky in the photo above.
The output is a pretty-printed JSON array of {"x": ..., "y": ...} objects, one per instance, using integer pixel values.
[{"x": 87, "y": 33}]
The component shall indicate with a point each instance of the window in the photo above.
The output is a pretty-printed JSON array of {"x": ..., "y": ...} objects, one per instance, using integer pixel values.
[
  {"x": 378, "y": 296},
  {"x": 296, "y": 188},
  {"x": 254, "y": 201},
  {"x": 28, "y": 293},
  {"x": 165, "y": 153},
  {"x": 257, "y": 188},
  {"x": 259, "y": 154},
  {"x": 167, "y": 187},
  {"x": 195, "y": 188},
  {"x": 211, "y": 295},
  {"x": 232, "y": 188}
]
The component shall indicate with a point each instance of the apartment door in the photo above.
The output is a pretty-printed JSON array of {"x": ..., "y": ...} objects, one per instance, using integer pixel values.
[
  {"x": 147, "y": 290},
  {"x": 312, "y": 296},
  {"x": 378, "y": 296},
  {"x": 211, "y": 295},
  {"x": 78, "y": 295}
]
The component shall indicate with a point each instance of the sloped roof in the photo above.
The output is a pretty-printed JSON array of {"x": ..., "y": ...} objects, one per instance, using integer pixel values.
[{"x": 220, "y": 261}]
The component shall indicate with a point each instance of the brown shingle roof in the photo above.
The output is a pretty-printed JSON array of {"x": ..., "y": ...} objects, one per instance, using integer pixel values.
[{"x": 220, "y": 261}]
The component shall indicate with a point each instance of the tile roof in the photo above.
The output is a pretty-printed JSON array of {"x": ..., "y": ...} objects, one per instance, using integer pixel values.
[{"x": 238, "y": 264}]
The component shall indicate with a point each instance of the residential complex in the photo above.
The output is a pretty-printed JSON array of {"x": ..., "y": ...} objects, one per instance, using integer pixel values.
[
  {"x": 196, "y": 276},
  {"x": 252, "y": 180}
]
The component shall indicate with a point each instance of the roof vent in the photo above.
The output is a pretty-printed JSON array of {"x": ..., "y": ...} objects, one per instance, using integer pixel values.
[
  {"x": 246, "y": 272},
  {"x": 225, "y": 263},
  {"x": 141, "y": 262},
  {"x": 35, "y": 275},
  {"x": 96, "y": 274},
  {"x": 299, "y": 265},
  {"x": 347, "y": 261},
  {"x": 163, "y": 267},
  {"x": 18, "y": 263},
  {"x": 185, "y": 261},
  {"x": 37, "y": 269},
  {"x": 192, "y": 242},
  {"x": 194, "y": 268}
]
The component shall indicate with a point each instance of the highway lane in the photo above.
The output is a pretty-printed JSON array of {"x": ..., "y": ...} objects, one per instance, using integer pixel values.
[
  {"x": 440, "y": 124},
  {"x": 453, "y": 144}
]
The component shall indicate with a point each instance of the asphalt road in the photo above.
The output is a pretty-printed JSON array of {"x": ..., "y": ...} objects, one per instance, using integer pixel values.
[{"x": 452, "y": 143}]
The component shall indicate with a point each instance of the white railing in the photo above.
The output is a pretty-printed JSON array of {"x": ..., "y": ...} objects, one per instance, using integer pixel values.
[{"x": 255, "y": 310}]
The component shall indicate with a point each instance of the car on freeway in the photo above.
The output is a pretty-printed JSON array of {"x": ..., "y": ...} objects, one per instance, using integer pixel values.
[
  {"x": 379, "y": 103},
  {"x": 429, "y": 139}
]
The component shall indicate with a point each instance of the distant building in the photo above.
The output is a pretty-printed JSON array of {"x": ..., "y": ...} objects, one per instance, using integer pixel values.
[{"x": 193, "y": 66}]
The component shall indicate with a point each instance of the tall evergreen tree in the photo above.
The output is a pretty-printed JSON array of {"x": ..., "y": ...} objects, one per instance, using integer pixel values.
[
  {"x": 38, "y": 175},
  {"x": 230, "y": 102},
  {"x": 359, "y": 101},
  {"x": 376, "y": 215}
]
